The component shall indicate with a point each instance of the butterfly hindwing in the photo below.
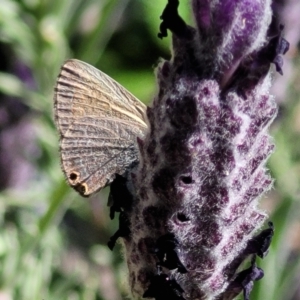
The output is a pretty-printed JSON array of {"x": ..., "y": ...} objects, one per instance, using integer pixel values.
[{"x": 99, "y": 122}]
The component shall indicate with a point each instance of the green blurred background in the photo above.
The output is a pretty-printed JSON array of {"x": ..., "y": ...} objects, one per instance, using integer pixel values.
[{"x": 53, "y": 242}]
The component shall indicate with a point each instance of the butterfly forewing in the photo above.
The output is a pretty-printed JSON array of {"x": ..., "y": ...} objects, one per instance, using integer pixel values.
[{"x": 99, "y": 122}]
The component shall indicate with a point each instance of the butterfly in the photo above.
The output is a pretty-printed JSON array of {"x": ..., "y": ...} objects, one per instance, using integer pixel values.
[{"x": 98, "y": 122}]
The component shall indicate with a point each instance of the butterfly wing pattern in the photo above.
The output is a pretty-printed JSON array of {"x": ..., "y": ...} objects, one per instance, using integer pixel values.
[{"x": 98, "y": 122}]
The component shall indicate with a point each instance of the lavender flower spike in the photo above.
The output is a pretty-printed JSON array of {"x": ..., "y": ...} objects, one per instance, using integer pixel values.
[{"x": 202, "y": 163}]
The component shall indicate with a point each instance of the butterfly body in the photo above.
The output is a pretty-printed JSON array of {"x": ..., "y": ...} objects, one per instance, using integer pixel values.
[{"x": 98, "y": 122}]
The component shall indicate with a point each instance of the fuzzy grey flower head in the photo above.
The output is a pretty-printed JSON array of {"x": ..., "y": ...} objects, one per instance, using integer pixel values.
[{"x": 202, "y": 163}]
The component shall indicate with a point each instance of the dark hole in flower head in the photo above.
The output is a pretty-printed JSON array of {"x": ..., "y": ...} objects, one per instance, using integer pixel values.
[
  {"x": 186, "y": 179},
  {"x": 181, "y": 217}
]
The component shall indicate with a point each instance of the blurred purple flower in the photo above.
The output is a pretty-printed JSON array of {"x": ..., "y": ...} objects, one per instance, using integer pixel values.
[
  {"x": 202, "y": 163},
  {"x": 17, "y": 135}
]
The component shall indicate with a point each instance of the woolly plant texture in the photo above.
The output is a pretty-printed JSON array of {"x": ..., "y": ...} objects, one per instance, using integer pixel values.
[{"x": 202, "y": 162}]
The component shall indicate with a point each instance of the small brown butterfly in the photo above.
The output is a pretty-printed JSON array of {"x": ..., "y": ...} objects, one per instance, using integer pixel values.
[{"x": 98, "y": 121}]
